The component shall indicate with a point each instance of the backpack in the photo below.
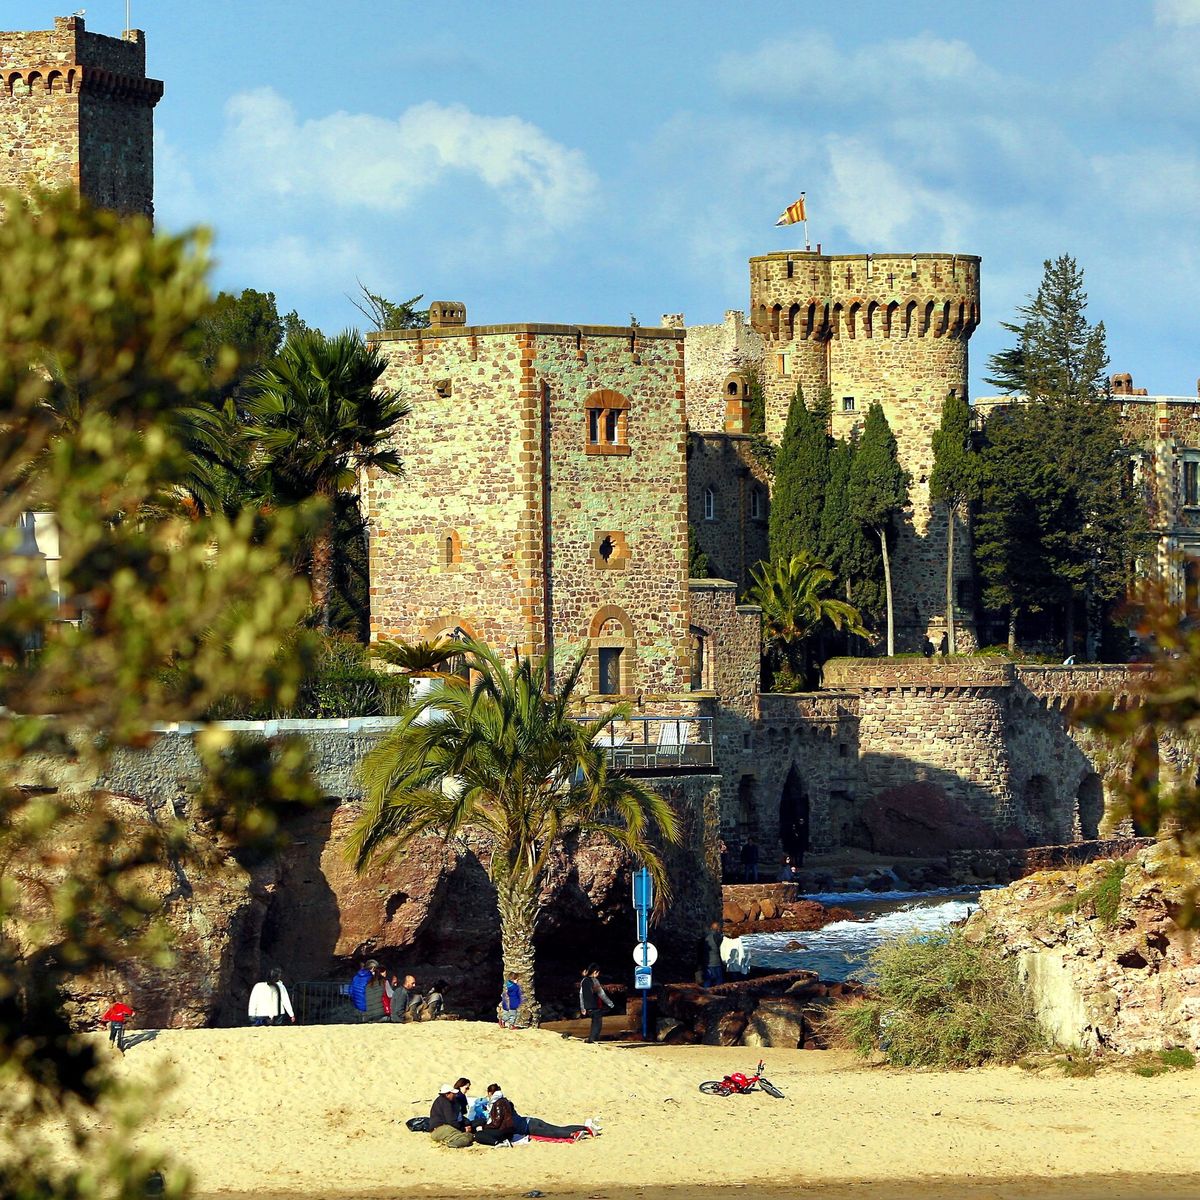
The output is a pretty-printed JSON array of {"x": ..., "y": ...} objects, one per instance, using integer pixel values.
[{"x": 418, "y": 1124}]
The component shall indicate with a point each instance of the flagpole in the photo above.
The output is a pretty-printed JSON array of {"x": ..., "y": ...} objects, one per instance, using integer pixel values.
[{"x": 807, "y": 243}]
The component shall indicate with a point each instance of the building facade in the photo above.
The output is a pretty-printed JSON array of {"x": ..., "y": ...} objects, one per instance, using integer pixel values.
[{"x": 77, "y": 111}]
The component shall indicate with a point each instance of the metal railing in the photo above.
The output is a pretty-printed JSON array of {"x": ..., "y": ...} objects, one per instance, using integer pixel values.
[
  {"x": 658, "y": 743},
  {"x": 324, "y": 1003}
]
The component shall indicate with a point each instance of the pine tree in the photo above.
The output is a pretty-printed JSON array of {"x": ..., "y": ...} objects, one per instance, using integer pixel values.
[
  {"x": 801, "y": 480},
  {"x": 953, "y": 482},
  {"x": 1059, "y": 365},
  {"x": 878, "y": 491},
  {"x": 850, "y": 552},
  {"x": 1058, "y": 355}
]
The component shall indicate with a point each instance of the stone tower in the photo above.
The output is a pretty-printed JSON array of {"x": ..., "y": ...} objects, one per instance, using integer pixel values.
[
  {"x": 891, "y": 328},
  {"x": 76, "y": 110}
]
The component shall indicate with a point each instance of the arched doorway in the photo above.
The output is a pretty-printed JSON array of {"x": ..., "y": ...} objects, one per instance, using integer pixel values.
[
  {"x": 1089, "y": 800},
  {"x": 793, "y": 816},
  {"x": 1039, "y": 811}
]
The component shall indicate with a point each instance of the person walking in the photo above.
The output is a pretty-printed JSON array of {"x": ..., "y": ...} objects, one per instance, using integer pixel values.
[
  {"x": 270, "y": 1002},
  {"x": 750, "y": 861},
  {"x": 116, "y": 1015},
  {"x": 592, "y": 1001},
  {"x": 714, "y": 971}
]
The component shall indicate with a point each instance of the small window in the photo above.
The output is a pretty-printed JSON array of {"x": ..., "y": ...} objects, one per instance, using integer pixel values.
[
  {"x": 964, "y": 597},
  {"x": 697, "y": 662},
  {"x": 607, "y": 415},
  {"x": 756, "y": 503},
  {"x": 710, "y": 504},
  {"x": 610, "y": 671},
  {"x": 847, "y": 404},
  {"x": 784, "y": 364},
  {"x": 1191, "y": 482}
]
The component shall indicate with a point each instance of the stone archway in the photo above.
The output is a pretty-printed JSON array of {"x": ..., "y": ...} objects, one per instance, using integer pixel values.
[
  {"x": 794, "y": 816},
  {"x": 1089, "y": 805}
]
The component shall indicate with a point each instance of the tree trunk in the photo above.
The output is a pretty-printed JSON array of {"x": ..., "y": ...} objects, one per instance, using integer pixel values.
[
  {"x": 322, "y": 571},
  {"x": 1069, "y": 633},
  {"x": 1012, "y": 630},
  {"x": 951, "y": 644},
  {"x": 887, "y": 587},
  {"x": 516, "y": 899}
]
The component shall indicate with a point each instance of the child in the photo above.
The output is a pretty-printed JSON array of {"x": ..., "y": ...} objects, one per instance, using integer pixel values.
[
  {"x": 116, "y": 1017},
  {"x": 510, "y": 1002}
]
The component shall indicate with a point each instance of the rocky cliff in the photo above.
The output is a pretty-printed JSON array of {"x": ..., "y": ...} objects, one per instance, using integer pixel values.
[{"x": 1105, "y": 962}]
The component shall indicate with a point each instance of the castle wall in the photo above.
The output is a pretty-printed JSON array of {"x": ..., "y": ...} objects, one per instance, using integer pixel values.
[
  {"x": 734, "y": 537},
  {"x": 506, "y": 511},
  {"x": 76, "y": 110},
  {"x": 712, "y": 353},
  {"x": 462, "y": 481}
]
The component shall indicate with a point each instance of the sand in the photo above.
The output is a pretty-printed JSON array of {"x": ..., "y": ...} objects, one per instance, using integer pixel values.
[{"x": 320, "y": 1112}]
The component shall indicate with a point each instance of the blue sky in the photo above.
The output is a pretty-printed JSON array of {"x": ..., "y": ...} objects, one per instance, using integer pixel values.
[{"x": 571, "y": 162}]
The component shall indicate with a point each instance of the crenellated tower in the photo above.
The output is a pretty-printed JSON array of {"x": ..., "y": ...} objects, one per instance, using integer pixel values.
[
  {"x": 77, "y": 110},
  {"x": 891, "y": 328}
]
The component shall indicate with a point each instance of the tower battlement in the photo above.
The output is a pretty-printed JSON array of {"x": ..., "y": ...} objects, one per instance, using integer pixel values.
[
  {"x": 77, "y": 110},
  {"x": 803, "y": 294}
]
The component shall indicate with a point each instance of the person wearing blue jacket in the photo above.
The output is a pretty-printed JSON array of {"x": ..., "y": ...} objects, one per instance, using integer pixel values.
[
  {"x": 510, "y": 1002},
  {"x": 358, "y": 986}
]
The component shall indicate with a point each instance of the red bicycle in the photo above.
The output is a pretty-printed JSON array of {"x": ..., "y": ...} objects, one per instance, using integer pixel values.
[{"x": 737, "y": 1082}]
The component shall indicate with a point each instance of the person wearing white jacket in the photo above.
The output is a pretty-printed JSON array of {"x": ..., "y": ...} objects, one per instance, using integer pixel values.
[{"x": 270, "y": 1002}]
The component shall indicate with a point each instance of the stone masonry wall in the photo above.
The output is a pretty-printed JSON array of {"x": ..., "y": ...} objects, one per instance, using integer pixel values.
[
  {"x": 76, "y": 110},
  {"x": 505, "y": 512},
  {"x": 734, "y": 538},
  {"x": 713, "y": 352}
]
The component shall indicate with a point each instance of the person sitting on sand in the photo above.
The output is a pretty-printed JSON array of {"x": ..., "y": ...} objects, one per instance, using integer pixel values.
[
  {"x": 445, "y": 1119},
  {"x": 536, "y": 1127},
  {"x": 403, "y": 994},
  {"x": 270, "y": 1002},
  {"x": 501, "y": 1119},
  {"x": 462, "y": 1101},
  {"x": 433, "y": 1005}
]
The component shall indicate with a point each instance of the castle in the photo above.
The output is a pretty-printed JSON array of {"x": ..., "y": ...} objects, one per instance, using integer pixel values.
[{"x": 553, "y": 471}]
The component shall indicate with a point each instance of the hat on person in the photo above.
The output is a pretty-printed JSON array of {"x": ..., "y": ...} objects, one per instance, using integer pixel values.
[
  {"x": 371, "y": 964},
  {"x": 447, "y": 1089}
]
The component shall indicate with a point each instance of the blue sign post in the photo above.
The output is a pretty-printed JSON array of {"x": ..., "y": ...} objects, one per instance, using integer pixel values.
[{"x": 643, "y": 902}]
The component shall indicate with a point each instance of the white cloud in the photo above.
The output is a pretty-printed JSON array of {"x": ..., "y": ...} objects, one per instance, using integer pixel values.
[
  {"x": 1177, "y": 12},
  {"x": 814, "y": 70},
  {"x": 367, "y": 162}
]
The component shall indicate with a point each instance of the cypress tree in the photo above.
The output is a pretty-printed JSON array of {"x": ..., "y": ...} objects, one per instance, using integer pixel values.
[
  {"x": 844, "y": 546},
  {"x": 878, "y": 490},
  {"x": 954, "y": 482},
  {"x": 801, "y": 481}
]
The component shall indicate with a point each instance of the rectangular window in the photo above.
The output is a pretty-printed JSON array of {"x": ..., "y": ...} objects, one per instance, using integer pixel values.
[
  {"x": 847, "y": 404},
  {"x": 964, "y": 598},
  {"x": 756, "y": 503},
  {"x": 594, "y": 426},
  {"x": 610, "y": 671},
  {"x": 785, "y": 364},
  {"x": 611, "y": 427},
  {"x": 1191, "y": 481},
  {"x": 710, "y": 505}
]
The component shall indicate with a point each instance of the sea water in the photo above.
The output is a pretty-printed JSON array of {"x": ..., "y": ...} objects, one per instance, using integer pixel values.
[{"x": 841, "y": 950}]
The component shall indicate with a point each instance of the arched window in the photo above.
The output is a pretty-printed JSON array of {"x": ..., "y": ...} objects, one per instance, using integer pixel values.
[
  {"x": 450, "y": 548},
  {"x": 607, "y": 416},
  {"x": 610, "y": 639},
  {"x": 701, "y": 667}
]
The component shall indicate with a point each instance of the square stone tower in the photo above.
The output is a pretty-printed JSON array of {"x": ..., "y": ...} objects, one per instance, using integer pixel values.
[
  {"x": 76, "y": 110},
  {"x": 544, "y": 499}
]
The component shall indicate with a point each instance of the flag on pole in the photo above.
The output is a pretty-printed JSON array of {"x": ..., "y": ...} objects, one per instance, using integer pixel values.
[{"x": 793, "y": 213}]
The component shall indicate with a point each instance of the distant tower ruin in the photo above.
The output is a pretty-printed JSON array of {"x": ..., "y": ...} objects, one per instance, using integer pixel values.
[{"x": 76, "y": 110}]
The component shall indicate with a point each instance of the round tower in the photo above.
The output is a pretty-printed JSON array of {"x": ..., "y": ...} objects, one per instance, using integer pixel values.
[{"x": 886, "y": 328}]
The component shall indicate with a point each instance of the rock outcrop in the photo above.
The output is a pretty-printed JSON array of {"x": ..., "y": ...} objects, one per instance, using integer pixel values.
[{"x": 1106, "y": 965}]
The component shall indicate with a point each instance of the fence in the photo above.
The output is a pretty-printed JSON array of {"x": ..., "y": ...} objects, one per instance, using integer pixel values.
[{"x": 324, "y": 1003}]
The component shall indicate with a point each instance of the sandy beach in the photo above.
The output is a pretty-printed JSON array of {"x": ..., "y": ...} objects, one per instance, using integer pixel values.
[{"x": 320, "y": 1112}]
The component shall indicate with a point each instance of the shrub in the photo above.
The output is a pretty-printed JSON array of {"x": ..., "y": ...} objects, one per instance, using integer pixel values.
[
  {"x": 1178, "y": 1058},
  {"x": 941, "y": 1002},
  {"x": 1104, "y": 895}
]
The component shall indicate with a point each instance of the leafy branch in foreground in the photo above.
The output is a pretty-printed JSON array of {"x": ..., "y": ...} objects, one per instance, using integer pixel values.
[{"x": 154, "y": 617}]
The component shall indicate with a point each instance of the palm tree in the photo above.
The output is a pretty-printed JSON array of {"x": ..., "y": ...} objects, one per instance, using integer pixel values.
[
  {"x": 319, "y": 417},
  {"x": 794, "y": 607},
  {"x": 505, "y": 758}
]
